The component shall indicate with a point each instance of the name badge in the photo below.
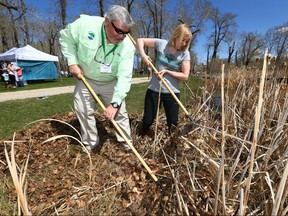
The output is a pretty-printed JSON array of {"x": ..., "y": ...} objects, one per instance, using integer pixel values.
[{"x": 105, "y": 68}]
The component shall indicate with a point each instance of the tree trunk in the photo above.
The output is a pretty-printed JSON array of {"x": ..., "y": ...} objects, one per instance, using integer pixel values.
[
  {"x": 14, "y": 30},
  {"x": 63, "y": 5},
  {"x": 101, "y": 8},
  {"x": 25, "y": 23}
]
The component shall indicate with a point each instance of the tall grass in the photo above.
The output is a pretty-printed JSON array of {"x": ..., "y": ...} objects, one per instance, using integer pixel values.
[
  {"x": 251, "y": 180},
  {"x": 254, "y": 114}
]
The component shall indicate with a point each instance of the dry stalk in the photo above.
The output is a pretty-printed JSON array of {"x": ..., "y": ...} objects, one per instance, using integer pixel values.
[
  {"x": 18, "y": 180},
  {"x": 158, "y": 110},
  {"x": 269, "y": 182},
  {"x": 76, "y": 160},
  {"x": 191, "y": 177},
  {"x": 241, "y": 201},
  {"x": 202, "y": 153},
  {"x": 179, "y": 196},
  {"x": 60, "y": 122},
  {"x": 280, "y": 190},
  {"x": 256, "y": 130},
  {"x": 234, "y": 166},
  {"x": 285, "y": 211},
  {"x": 228, "y": 135},
  {"x": 221, "y": 178},
  {"x": 203, "y": 104}
]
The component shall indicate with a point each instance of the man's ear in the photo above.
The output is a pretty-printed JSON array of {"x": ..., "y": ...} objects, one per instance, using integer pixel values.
[{"x": 106, "y": 21}]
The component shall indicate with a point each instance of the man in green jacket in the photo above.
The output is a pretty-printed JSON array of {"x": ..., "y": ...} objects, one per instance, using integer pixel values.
[{"x": 98, "y": 49}]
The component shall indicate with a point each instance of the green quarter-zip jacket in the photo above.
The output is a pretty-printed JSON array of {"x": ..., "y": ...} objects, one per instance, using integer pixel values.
[{"x": 83, "y": 42}]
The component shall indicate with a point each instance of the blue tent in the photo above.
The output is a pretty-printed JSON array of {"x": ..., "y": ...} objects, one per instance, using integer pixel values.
[{"x": 36, "y": 65}]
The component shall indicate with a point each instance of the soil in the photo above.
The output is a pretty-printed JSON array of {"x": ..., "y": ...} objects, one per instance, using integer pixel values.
[{"x": 61, "y": 177}]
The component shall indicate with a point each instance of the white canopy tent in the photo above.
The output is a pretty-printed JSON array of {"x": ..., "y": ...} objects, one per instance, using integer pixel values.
[
  {"x": 36, "y": 64},
  {"x": 27, "y": 53}
]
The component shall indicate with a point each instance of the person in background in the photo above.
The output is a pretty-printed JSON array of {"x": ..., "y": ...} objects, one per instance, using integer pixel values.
[
  {"x": 6, "y": 78},
  {"x": 98, "y": 49},
  {"x": 18, "y": 71},
  {"x": 4, "y": 74},
  {"x": 12, "y": 77},
  {"x": 173, "y": 64}
]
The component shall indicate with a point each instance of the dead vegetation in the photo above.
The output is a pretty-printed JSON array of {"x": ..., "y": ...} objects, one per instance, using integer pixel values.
[{"x": 208, "y": 172}]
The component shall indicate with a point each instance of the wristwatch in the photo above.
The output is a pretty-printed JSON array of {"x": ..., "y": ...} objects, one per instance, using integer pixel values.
[{"x": 115, "y": 105}]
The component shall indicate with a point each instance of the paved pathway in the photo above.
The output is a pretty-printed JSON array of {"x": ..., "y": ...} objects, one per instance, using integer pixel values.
[{"x": 24, "y": 94}]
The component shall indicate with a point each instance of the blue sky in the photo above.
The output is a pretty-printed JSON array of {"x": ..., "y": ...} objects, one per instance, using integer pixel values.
[{"x": 252, "y": 16}]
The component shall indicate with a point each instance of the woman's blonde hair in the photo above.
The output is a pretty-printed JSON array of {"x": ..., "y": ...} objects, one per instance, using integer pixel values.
[{"x": 180, "y": 32}]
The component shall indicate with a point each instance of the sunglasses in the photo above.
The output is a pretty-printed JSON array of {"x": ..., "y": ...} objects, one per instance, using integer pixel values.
[
  {"x": 119, "y": 31},
  {"x": 108, "y": 59}
]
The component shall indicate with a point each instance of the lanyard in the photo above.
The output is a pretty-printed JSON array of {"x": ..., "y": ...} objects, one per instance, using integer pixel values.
[{"x": 103, "y": 43}]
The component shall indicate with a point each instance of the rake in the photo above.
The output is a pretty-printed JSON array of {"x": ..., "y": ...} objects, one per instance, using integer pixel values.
[{"x": 120, "y": 131}]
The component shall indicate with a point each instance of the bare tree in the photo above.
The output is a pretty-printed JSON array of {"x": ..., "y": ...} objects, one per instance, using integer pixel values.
[
  {"x": 156, "y": 10},
  {"x": 128, "y": 4},
  {"x": 18, "y": 29},
  {"x": 222, "y": 24},
  {"x": 194, "y": 13},
  {"x": 231, "y": 42},
  {"x": 231, "y": 50},
  {"x": 15, "y": 32},
  {"x": 9, "y": 32},
  {"x": 25, "y": 26},
  {"x": 277, "y": 41},
  {"x": 7, "y": 5},
  {"x": 95, "y": 7},
  {"x": 63, "y": 13},
  {"x": 251, "y": 47},
  {"x": 101, "y": 7},
  {"x": 4, "y": 37}
]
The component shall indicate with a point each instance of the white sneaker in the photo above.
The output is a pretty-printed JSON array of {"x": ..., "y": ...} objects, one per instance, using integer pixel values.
[
  {"x": 90, "y": 148},
  {"x": 124, "y": 146}
]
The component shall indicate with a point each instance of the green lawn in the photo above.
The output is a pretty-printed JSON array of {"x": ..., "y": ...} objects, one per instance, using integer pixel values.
[
  {"x": 15, "y": 115},
  {"x": 65, "y": 81}
]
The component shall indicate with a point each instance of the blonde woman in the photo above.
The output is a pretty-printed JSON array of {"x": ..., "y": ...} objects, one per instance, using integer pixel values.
[{"x": 173, "y": 64}]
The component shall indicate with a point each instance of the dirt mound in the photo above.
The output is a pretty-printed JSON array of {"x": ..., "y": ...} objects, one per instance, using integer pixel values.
[{"x": 62, "y": 179}]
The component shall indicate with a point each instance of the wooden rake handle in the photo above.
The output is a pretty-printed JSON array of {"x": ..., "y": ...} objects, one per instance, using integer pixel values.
[
  {"x": 119, "y": 130},
  {"x": 165, "y": 83}
]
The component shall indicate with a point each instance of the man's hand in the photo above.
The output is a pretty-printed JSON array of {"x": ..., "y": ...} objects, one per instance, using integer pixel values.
[
  {"x": 76, "y": 70},
  {"x": 110, "y": 112}
]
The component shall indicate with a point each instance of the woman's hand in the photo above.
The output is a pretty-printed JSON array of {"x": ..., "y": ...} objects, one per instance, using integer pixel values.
[
  {"x": 146, "y": 59},
  {"x": 161, "y": 73}
]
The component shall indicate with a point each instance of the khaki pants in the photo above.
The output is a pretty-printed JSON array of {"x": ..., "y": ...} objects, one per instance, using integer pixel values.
[{"x": 85, "y": 107}]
